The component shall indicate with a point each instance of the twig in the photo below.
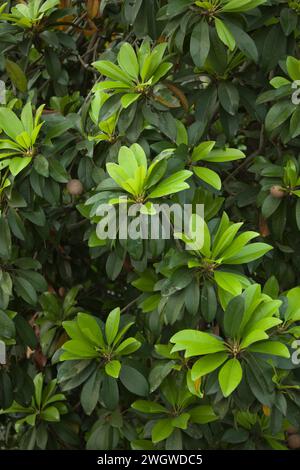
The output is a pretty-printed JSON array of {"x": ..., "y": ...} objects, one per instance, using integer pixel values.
[
  {"x": 249, "y": 159},
  {"x": 131, "y": 303}
]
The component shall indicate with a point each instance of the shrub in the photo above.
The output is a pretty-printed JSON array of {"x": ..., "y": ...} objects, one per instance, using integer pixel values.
[{"x": 180, "y": 342}]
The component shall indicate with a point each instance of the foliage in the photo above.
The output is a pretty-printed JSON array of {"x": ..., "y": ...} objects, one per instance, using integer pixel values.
[{"x": 181, "y": 343}]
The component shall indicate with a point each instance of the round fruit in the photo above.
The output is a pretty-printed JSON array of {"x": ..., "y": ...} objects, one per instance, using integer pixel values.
[
  {"x": 277, "y": 192},
  {"x": 293, "y": 441},
  {"x": 61, "y": 291},
  {"x": 292, "y": 430},
  {"x": 74, "y": 187}
]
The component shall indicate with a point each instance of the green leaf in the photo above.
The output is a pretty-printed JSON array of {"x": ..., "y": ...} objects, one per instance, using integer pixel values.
[
  {"x": 230, "y": 376},
  {"x": 270, "y": 347},
  {"x": 196, "y": 343},
  {"x": 200, "y": 43},
  {"x": 47, "y": 5},
  {"x": 78, "y": 350},
  {"x": 209, "y": 176},
  {"x": 50, "y": 414},
  {"x": 128, "y": 61},
  {"x": 25, "y": 290},
  {"x": 173, "y": 184},
  {"x": 128, "y": 346},
  {"x": 162, "y": 430},
  {"x": 16, "y": 75},
  {"x": 228, "y": 281},
  {"x": 270, "y": 205},
  {"x": 278, "y": 114},
  {"x": 90, "y": 393},
  {"x": 243, "y": 41},
  {"x": 233, "y": 317},
  {"x": 181, "y": 421},
  {"x": 113, "y": 368},
  {"x": 7, "y": 326},
  {"x": 208, "y": 364},
  {"x": 203, "y": 414},
  {"x": 5, "y": 238},
  {"x": 224, "y": 155},
  {"x": 253, "y": 337},
  {"x": 38, "y": 386},
  {"x": 134, "y": 381},
  {"x": 129, "y": 98},
  {"x": 209, "y": 303},
  {"x": 293, "y": 67},
  {"x": 288, "y": 20},
  {"x": 17, "y": 164},
  {"x": 152, "y": 61},
  {"x": 112, "y": 325},
  {"x": 111, "y": 70},
  {"x": 229, "y": 97},
  {"x": 225, "y": 34},
  {"x": 90, "y": 328},
  {"x": 148, "y": 407},
  {"x": 295, "y": 123},
  {"x": 249, "y": 253},
  {"x": 202, "y": 150},
  {"x": 10, "y": 123},
  {"x": 234, "y": 6}
]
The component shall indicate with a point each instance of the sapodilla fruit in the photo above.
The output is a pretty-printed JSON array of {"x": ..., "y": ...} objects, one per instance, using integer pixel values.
[
  {"x": 75, "y": 187},
  {"x": 291, "y": 430},
  {"x": 277, "y": 192},
  {"x": 293, "y": 441}
]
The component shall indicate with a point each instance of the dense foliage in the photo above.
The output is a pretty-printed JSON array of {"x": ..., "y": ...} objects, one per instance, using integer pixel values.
[{"x": 150, "y": 343}]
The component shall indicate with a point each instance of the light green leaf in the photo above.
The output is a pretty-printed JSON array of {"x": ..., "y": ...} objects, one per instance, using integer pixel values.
[
  {"x": 293, "y": 67},
  {"x": 10, "y": 123},
  {"x": 50, "y": 414},
  {"x": 173, "y": 184},
  {"x": 112, "y": 325},
  {"x": 202, "y": 150},
  {"x": 203, "y": 414},
  {"x": 17, "y": 164},
  {"x": 128, "y": 61},
  {"x": 162, "y": 430},
  {"x": 249, "y": 253},
  {"x": 108, "y": 69},
  {"x": 207, "y": 364},
  {"x": 270, "y": 347},
  {"x": 224, "y": 34},
  {"x": 129, "y": 98},
  {"x": 209, "y": 176},
  {"x": 253, "y": 337},
  {"x": 230, "y": 376},
  {"x": 113, "y": 368},
  {"x": 224, "y": 155},
  {"x": 196, "y": 343},
  {"x": 228, "y": 281}
]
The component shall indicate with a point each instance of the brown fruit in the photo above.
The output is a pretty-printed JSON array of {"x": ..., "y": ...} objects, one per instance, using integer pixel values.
[
  {"x": 61, "y": 291},
  {"x": 263, "y": 227},
  {"x": 292, "y": 430},
  {"x": 74, "y": 187},
  {"x": 277, "y": 192},
  {"x": 293, "y": 441}
]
